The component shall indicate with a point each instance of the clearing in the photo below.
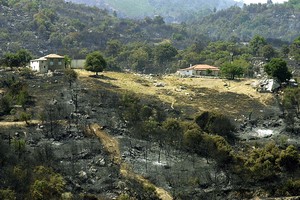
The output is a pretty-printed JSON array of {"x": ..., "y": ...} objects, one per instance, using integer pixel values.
[{"x": 235, "y": 98}]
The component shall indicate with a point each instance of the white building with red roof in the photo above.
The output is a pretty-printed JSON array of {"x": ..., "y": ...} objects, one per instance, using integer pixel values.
[{"x": 199, "y": 70}]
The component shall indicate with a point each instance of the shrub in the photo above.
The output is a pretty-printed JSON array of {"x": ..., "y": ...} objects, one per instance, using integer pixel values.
[
  {"x": 289, "y": 188},
  {"x": 7, "y": 194},
  {"x": 216, "y": 123},
  {"x": 289, "y": 158}
]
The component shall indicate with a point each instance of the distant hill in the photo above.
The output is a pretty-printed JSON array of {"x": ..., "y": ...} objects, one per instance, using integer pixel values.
[
  {"x": 170, "y": 10},
  {"x": 274, "y": 21},
  {"x": 64, "y": 27}
]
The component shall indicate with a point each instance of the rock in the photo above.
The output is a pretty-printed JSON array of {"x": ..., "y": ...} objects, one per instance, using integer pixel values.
[
  {"x": 83, "y": 175},
  {"x": 93, "y": 169},
  {"x": 100, "y": 162},
  {"x": 159, "y": 84}
]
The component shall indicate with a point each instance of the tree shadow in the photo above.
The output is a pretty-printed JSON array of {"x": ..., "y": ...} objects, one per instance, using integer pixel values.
[{"x": 101, "y": 76}]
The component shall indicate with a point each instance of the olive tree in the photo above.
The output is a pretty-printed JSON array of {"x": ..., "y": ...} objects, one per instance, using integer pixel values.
[
  {"x": 234, "y": 69},
  {"x": 277, "y": 68},
  {"x": 95, "y": 62}
]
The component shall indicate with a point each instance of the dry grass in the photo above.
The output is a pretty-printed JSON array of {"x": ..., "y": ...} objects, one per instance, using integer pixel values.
[
  {"x": 231, "y": 97},
  {"x": 143, "y": 85}
]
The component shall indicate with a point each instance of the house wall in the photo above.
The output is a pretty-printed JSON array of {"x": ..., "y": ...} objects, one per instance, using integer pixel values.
[
  {"x": 39, "y": 66},
  {"x": 185, "y": 72},
  {"x": 77, "y": 63},
  {"x": 205, "y": 73},
  {"x": 56, "y": 63}
]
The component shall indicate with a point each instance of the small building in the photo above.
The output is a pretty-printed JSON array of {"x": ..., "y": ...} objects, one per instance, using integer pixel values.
[
  {"x": 77, "y": 63},
  {"x": 50, "y": 62},
  {"x": 199, "y": 70}
]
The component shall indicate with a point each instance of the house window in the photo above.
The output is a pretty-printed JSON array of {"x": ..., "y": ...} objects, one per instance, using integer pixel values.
[
  {"x": 51, "y": 63},
  {"x": 59, "y": 63}
]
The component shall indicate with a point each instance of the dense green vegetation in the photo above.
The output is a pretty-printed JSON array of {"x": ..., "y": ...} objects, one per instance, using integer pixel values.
[
  {"x": 149, "y": 44},
  {"x": 170, "y": 10}
]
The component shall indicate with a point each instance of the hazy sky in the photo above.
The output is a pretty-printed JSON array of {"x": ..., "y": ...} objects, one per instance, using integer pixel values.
[{"x": 263, "y": 1}]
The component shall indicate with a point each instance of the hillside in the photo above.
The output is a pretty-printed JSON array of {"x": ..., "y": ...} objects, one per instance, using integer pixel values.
[
  {"x": 67, "y": 28},
  {"x": 171, "y": 11},
  {"x": 274, "y": 21},
  {"x": 119, "y": 135}
]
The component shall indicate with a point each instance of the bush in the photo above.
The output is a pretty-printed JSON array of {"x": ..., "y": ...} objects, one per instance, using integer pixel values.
[
  {"x": 289, "y": 158},
  {"x": 5, "y": 106},
  {"x": 261, "y": 163},
  {"x": 7, "y": 194},
  {"x": 216, "y": 123},
  {"x": 289, "y": 188}
]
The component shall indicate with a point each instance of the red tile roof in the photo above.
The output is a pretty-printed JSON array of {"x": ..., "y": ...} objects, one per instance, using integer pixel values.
[
  {"x": 53, "y": 56},
  {"x": 205, "y": 67},
  {"x": 202, "y": 67}
]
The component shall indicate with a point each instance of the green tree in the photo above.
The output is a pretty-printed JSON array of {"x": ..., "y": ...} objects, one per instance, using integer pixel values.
[
  {"x": 216, "y": 123},
  {"x": 256, "y": 44},
  {"x": 95, "y": 62},
  {"x": 289, "y": 158},
  {"x": 193, "y": 139},
  {"x": 291, "y": 99},
  {"x": 68, "y": 61},
  {"x": 46, "y": 184},
  {"x": 23, "y": 97},
  {"x": 261, "y": 163},
  {"x": 173, "y": 131},
  {"x": 5, "y": 105},
  {"x": 295, "y": 49},
  {"x": 268, "y": 52},
  {"x": 284, "y": 51},
  {"x": 277, "y": 68},
  {"x": 164, "y": 53},
  {"x": 10, "y": 60},
  {"x": 70, "y": 75},
  {"x": 113, "y": 47},
  {"x": 159, "y": 20},
  {"x": 234, "y": 69},
  {"x": 7, "y": 194},
  {"x": 219, "y": 149},
  {"x": 21, "y": 58},
  {"x": 132, "y": 107},
  {"x": 25, "y": 117},
  {"x": 24, "y": 57},
  {"x": 139, "y": 59},
  {"x": 19, "y": 146}
]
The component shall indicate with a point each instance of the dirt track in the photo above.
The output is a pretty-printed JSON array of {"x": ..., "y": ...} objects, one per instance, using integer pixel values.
[
  {"x": 21, "y": 123},
  {"x": 112, "y": 146}
]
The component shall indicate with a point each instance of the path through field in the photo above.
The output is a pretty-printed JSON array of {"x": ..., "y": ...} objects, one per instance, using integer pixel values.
[{"x": 112, "y": 147}]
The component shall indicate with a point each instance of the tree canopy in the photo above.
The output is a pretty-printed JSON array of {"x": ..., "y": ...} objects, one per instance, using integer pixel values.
[
  {"x": 95, "y": 62},
  {"x": 277, "y": 68},
  {"x": 234, "y": 69}
]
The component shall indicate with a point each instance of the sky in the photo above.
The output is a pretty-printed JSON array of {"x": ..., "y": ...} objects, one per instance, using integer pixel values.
[{"x": 263, "y": 1}]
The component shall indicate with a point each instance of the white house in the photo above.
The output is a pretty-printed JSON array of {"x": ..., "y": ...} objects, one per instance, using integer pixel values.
[
  {"x": 199, "y": 70},
  {"x": 39, "y": 65},
  {"x": 49, "y": 62}
]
